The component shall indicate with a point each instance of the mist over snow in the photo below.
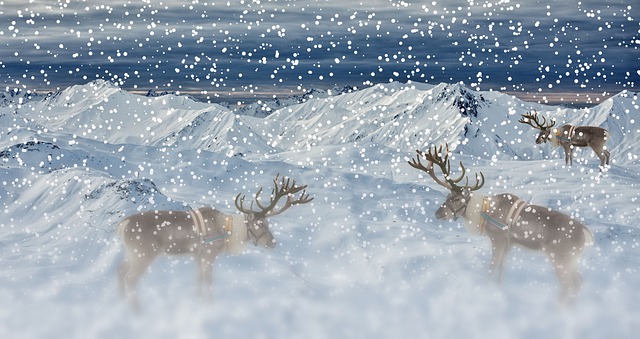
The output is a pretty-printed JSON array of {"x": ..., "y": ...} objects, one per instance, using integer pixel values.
[{"x": 365, "y": 259}]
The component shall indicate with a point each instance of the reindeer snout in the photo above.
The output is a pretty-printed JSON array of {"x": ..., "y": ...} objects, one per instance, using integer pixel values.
[
  {"x": 441, "y": 214},
  {"x": 271, "y": 244}
]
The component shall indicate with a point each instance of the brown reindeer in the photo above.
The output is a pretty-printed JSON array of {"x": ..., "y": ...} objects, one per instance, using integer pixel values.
[
  {"x": 203, "y": 233},
  {"x": 569, "y": 136},
  {"x": 508, "y": 220}
]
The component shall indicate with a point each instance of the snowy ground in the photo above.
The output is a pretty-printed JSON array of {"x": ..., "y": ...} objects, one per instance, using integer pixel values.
[{"x": 365, "y": 259}]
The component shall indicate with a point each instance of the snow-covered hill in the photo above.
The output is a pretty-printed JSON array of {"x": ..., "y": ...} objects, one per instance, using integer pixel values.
[{"x": 366, "y": 258}]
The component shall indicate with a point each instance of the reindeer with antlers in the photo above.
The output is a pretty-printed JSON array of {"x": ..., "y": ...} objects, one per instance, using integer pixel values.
[
  {"x": 569, "y": 136},
  {"x": 203, "y": 233},
  {"x": 507, "y": 220}
]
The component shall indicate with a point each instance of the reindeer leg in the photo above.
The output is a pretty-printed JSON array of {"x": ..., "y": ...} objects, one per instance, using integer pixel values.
[
  {"x": 122, "y": 272},
  {"x": 568, "y": 155},
  {"x": 570, "y": 279},
  {"x": 603, "y": 155},
  {"x": 500, "y": 249},
  {"x": 137, "y": 267},
  {"x": 604, "y": 158},
  {"x": 205, "y": 278}
]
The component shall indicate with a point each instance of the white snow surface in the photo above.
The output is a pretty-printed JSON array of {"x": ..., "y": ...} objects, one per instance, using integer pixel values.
[{"x": 365, "y": 259}]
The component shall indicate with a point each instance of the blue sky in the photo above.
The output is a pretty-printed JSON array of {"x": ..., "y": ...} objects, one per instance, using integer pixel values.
[{"x": 266, "y": 47}]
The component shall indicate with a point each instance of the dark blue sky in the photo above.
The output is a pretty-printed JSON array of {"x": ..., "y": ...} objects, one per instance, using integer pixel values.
[{"x": 265, "y": 47}]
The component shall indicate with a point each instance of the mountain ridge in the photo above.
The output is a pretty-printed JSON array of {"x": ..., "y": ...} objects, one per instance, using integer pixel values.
[{"x": 394, "y": 115}]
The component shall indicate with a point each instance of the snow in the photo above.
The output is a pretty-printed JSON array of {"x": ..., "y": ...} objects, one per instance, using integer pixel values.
[{"x": 365, "y": 259}]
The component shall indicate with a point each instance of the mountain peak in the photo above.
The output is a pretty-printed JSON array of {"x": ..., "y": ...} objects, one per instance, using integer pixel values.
[
  {"x": 18, "y": 96},
  {"x": 462, "y": 98}
]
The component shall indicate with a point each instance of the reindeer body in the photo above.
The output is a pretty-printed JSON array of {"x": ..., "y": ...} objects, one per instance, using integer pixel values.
[
  {"x": 508, "y": 220},
  {"x": 181, "y": 232},
  {"x": 204, "y": 234},
  {"x": 569, "y": 136}
]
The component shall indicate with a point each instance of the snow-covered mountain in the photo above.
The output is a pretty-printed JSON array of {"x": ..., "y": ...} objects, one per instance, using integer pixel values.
[
  {"x": 484, "y": 124},
  {"x": 264, "y": 107},
  {"x": 365, "y": 259}
]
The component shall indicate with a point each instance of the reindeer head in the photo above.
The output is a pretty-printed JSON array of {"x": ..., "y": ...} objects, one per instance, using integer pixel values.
[
  {"x": 459, "y": 196},
  {"x": 544, "y": 127},
  {"x": 257, "y": 224}
]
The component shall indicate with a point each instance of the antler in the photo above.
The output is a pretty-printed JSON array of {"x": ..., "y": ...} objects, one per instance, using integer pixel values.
[
  {"x": 287, "y": 188},
  {"x": 530, "y": 118},
  {"x": 440, "y": 158}
]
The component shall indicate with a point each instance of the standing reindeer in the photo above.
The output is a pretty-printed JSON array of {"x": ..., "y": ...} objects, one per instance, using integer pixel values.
[
  {"x": 507, "y": 220},
  {"x": 569, "y": 136},
  {"x": 203, "y": 233}
]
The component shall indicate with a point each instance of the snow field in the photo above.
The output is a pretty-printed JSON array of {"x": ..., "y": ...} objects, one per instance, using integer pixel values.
[{"x": 366, "y": 258}]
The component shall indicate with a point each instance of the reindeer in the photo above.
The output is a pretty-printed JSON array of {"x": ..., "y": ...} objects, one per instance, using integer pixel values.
[
  {"x": 508, "y": 220},
  {"x": 569, "y": 136},
  {"x": 203, "y": 233}
]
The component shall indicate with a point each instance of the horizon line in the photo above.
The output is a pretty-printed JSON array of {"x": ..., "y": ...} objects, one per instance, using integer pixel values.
[{"x": 244, "y": 97}]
